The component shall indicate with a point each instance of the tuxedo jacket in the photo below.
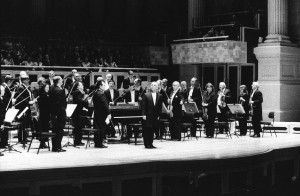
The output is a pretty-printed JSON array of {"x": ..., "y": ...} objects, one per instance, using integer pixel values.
[
  {"x": 196, "y": 96},
  {"x": 164, "y": 96},
  {"x": 211, "y": 100},
  {"x": 108, "y": 96},
  {"x": 151, "y": 111},
  {"x": 6, "y": 97},
  {"x": 137, "y": 94},
  {"x": 78, "y": 99},
  {"x": 177, "y": 107},
  {"x": 26, "y": 95},
  {"x": 58, "y": 100},
  {"x": 257, "y": 107},
  {"x": 101, "y": 108}
]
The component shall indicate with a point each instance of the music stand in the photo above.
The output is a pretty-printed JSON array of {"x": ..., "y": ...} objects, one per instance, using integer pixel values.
[
  {"x": 69, "y": 112},
  {"x": 9, "y": 117},
  {"x": 236, "y": 109},
  {"x": 190, "y": 107}
]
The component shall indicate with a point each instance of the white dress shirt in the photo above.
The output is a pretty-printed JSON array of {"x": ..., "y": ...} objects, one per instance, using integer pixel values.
[
  {"x": 132, "y": 96},
  {"x": 112, "y": 95},
  {"x": 154, "y": 97}
]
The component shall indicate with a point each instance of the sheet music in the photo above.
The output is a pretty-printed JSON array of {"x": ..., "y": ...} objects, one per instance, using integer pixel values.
[
  {"x": 11, "y": 115},
  {"x": 70, "y": 109}
]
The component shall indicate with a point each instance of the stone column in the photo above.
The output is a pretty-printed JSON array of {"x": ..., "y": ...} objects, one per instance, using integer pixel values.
[
  {"x": 279, "y": 67},
  {"x": 277, "y": 21},
  {"x": 195, "y": 12}
]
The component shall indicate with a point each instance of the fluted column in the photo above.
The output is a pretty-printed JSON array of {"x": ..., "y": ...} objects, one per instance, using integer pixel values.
[
  {"x": 196, "y": 13},
  {"x": 277, "y": 21}
]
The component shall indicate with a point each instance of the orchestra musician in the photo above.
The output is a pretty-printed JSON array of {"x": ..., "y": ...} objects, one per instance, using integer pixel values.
[
  {"x": 164, "y": 86},
  {"x": 194, "y": 95},
  {"x": 175, "y": 108},
  {"x": 58, "y": 112},
  {"x": 256, "y": 100},
  {"x": 209, "y": 103},
  {"x": 44, "y": 111},
  {"x": 151, "y": 110},
  {"x": 108, "y": 77},
  {"x": 24, "y": 99},
  {"x": 5, "y": 103},
  {"x": 78, "y": 98},
  {"x": 134, "y": 93},
  {"x": 70, "y": 80},
  {"x": 159, "y": 133},
  {"x": 3, "y": 137},
  {"x": 50, "y": 79},
  {"x": 244, "y": 101},
  {"x": 111, "y": 93},
  {"x": 127, "y": 82},
  {"x": 224, "y": 97},
  {"x": 102, "y": 114},
  {"x": 184, "y": 90}
]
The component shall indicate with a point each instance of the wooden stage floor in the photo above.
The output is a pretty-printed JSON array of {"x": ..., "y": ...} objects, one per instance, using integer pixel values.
[{"x": 122, "y": 153}]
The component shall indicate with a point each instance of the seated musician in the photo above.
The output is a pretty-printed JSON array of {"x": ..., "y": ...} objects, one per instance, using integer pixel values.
[
  {"x": 132, "y": 95},
  {"x": 129, "y": 80},
  {"x": 112, "y": 94}
]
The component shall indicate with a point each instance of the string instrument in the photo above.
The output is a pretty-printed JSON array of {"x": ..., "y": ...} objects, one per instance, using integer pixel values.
[
  {"x": 170, "y": 106},
  {"x": 223, "y": 103},
  {"x": 89, "y": 99},
  {"x": 12, "y": 96},
  {"x": 124, "y": 92},
  {"x": 250, "y": 107},
  {"x": 70, "y": 96},
  {"x": 140, "y": 96},
  {"x": 34, "y": 107},
  {"x": 204, "y": 109}
]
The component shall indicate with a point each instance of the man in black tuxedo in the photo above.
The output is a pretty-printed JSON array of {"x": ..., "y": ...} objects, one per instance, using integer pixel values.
[
  {"x": 256, "y": 100},
  {"x": 70, "y": 80},
  {"x": 50, "y": 79},
  {"x": 195, "y": 95},
  {"x": 111, "y": 93},
  {"x": 57, "y": 97},
  {"x": 102, "y": 114},
  {"x": 184, "y": 91},
  {"x": 175, "y": 102},
  {"x": 224, "y": 97},
  {"x": 151, "y": 110},
  {"x": 4, "y": 103}
]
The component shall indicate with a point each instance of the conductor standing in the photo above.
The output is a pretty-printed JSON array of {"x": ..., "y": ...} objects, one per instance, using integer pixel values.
[{"x": 151, "y": 110}]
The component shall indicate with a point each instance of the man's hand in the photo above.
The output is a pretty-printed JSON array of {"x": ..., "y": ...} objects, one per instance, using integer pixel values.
[
  {"x": 251, "y": 102},
  {"x": 144, "y": 117},
  {"x": 204, "y": 104},
  {"x": 13, "y": 101},
  {"x": 190, "y": 100},
  {"x": 112, "y": 103}
]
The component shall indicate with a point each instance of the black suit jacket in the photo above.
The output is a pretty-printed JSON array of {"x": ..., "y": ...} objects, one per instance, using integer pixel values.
[
  {"x": 108, "y": 96},
  {"x": 78, "y": 99},
  {"x": 151, "y": 111},
  {"x": 165, "y": 96},
  {"x": 177, "y": 107},
  {"x": 257, "y": 107},
  {"x": 101, "y": 108},
  {"x": 196, "y": 96},
  {"x": 211, "y": 100},
  {"x": 24, "y": 96},
  {"x": 127, "y": 96},
  {"x": 6, "y": 97},
  {"x": 58, "y": 100},
  {"x": 127, "y": 83}
]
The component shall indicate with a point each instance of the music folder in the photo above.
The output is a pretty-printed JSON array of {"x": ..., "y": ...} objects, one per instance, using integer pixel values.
[
  {"x": 236, "y": 108},
  {"x": 190, "y": 107}
]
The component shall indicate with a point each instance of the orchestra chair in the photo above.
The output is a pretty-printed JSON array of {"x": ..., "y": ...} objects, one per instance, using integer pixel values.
[
  {"x": 133, "y": 128},
  {"x": 199, "y": 124},
  {"x": 217, "y": 125},
  {"x": 249, "y": 126},
  {"x": 9, "y": 128},
  {"x": 36, "y": 134},
  {"x": 268, "y": 125},
  {"x": 69, "y": 127},
  {"x": 89, "y": 130},
  {"x": 188, "y": 123},
  {"x": 166, "y": 132}
]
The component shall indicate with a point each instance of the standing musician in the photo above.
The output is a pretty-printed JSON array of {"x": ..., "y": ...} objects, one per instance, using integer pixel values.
[
  {"x": 3, "y": 137},
  {"x": 184, "y": 90},
  {"x": 244, "y": 101},
  {"x": 102, "y": 114},
  {"x": 70, "y": 80},
  {"x": 165, "y": 97},
  {"x": 58, "y": 112},
  {"x": 24, "y": 99},
  {"x": 6, "y": 96},
  {"x": 256, "y": 100},
  {"x": 175, "y": 108},
  {"x": 111, "y": 93},
  {"x": 44, "y": 111},
  {"x": 127, "y": 82},
  {"x": 50, "y": 79},
  {"x": 164, "y": 86},
  {"x": 77, "y": 78},
  {"x": 151, "y": 110},
  {"x": 224, "y": 96},
  {"x": 108, "y": 77},
  {"x": 209, "y": 103},
  {"x": 138, "y": 89},
  {"x": 163, "y": 92},
  {"x": 194, "y": 95},
  {"x": 78, "y": 98}
]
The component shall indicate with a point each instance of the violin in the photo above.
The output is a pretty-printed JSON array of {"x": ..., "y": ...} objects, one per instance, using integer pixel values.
[{"x": 204, "y": 109}]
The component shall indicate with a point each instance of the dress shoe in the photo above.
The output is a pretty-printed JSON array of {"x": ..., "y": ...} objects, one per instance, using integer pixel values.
[
  {"x": 151, "y": 146},
  {"x": 61, "y": 150},
  {"x": 148, "y": 147},
  {"x": 101, "y": 146},
  {"x": 1, "y": 154},
  {"x": 79, "y": 144},
  {"x": 55, "y": 150},
  {"x": 43, "y": 145}
]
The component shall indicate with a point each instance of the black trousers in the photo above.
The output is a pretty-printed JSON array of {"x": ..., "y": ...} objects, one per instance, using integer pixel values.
[
  {"x": 256, "y": 125},
  {"x": 3, "y": 138},
  {"x": 175, "y": 127},
  {"x": 58, "y": 123},
  {"x": 78, "y": 124},
  {"x": 209, "y": 125},
  {"x": 243, "y": 124},
  {"x": 99, "y": 135},
  {"x": 25, "y": 123},
  {"x": 148, "y": 134}
]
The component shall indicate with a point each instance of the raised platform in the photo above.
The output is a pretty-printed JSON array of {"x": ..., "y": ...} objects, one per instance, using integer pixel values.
[{"x": 231, "y": 163}]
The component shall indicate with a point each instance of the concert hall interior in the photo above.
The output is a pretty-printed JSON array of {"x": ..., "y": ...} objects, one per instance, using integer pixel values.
[{"x": 150, "y": 97}]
